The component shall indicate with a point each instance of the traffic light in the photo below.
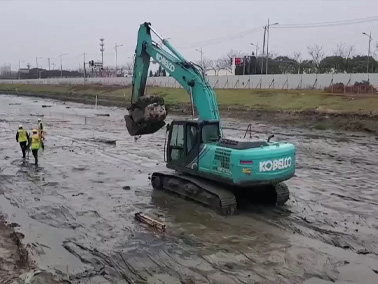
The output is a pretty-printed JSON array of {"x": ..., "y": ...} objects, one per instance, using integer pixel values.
[
  {"x": 91, "y": 63},
  {"x": 237, "y": 61}
]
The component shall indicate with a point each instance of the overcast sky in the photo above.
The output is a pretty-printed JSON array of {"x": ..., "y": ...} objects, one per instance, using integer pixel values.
[{"x": 46, "y": 28}]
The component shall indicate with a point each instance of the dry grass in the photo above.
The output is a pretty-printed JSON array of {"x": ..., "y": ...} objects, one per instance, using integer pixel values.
[{"x": 272, "y": 100}]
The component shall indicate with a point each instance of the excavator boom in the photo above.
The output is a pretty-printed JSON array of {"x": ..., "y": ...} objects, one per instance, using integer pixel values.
[{"x": 147, "y": 114}]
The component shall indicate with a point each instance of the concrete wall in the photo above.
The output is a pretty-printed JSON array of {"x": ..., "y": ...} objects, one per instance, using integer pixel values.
[{"x": 291, "y": 81}]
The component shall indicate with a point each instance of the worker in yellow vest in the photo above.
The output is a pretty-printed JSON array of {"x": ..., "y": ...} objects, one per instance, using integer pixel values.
[
  {"x": 35, "y": 145},
  {"x": 22, "y": 137}
]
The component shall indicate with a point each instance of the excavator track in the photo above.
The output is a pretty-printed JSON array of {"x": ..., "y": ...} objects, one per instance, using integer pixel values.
[
  {"x": 282, "y": 193},
  {"x": 212, "y": 195}
]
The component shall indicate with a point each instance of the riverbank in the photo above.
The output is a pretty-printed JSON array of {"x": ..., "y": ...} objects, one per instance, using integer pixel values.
[{"x": 306, "y": 108}]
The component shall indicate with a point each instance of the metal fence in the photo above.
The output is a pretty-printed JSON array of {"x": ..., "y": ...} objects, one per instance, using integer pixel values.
[{"x": 281, "y": 81}]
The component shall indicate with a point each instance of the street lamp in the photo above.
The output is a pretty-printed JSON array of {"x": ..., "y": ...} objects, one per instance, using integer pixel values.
[
  {"x": 36, "y": 62},
  {"x": 267, "y": 44},
  {"x": 115, "y": 48},
  {"x": 257, "y": 48},
  {"x": 370, "y": 39},
  {"x": 61, "y": 65}
]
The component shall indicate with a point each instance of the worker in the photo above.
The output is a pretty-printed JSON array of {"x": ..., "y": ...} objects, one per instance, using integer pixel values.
[
  {"x": 22, "y": 137},
  {"x": 41, "y": 132},
  {"x": 35, "y": 145}
]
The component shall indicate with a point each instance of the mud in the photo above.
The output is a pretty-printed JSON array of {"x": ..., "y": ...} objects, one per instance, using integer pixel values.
[{"x": 76, "y": 210}]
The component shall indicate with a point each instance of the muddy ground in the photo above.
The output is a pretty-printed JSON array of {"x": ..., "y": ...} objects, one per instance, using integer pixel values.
[
  {"x": 76, "y": 210},
  {"x": 15, "y": 265}
]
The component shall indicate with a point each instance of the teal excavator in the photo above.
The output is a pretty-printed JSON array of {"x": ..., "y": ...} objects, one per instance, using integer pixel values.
[{"x": 202, "y": 164}]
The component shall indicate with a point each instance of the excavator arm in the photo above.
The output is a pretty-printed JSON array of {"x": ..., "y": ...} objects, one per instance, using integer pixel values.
[{"x": 147, "y": 114}]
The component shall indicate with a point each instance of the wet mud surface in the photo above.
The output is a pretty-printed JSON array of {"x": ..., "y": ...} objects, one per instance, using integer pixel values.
[{"x": 76, "y": 210}]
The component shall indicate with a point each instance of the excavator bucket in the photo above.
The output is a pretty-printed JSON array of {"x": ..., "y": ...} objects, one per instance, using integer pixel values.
[
  {"x": 136, "y": 129},
  {"x": 146, "y": 116}
]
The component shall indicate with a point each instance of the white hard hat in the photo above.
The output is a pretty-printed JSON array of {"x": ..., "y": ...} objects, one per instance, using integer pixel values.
[
  {"x": 39, "y": 119},
  {"x": 20, "y": 126}
]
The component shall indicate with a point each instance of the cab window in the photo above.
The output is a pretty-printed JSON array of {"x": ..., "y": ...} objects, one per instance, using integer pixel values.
[
  {"x": 177, "y": 142},
  {"x": 210, "y": 133}
]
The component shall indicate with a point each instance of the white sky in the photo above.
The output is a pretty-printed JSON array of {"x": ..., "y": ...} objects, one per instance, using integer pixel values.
[{"x": 46, "y": 28}]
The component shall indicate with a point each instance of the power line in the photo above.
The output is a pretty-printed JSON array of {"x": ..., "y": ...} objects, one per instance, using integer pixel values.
[
  {"x": 241, "y": 34},
  {"x": 220, "y": 39},
  {"x": 328, "y": 24}
]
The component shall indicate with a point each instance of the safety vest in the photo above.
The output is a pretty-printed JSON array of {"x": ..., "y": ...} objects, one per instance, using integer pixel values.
[
  {"x": 22, "y": 136},
  {"x": 36, "y": 142}
]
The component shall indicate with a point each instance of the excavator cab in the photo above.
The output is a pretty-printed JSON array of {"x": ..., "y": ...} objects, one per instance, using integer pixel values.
[{"x": 186, "y": 139}]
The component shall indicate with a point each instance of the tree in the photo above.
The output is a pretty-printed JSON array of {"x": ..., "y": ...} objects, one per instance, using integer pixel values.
[
  {"x": 317, "y": 54},
  {"x": 220, "y": 64},
  {"x": 206, "y": 64},
  {"x": 283, "y": 65},
  {"x": 343, "y": 50},
  {"x": 333, "y": 64},
  {"x": 129, "y": 68},
  {"x": 225, "y": 61}
]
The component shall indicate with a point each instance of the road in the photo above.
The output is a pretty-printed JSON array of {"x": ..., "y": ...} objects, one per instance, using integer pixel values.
[{"x": 76, "y": 210}]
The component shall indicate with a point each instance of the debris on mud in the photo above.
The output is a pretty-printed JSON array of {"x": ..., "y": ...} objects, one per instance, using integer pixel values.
[
  {"x": 103, "y": 140},
  {"x": 126, "y": 187},
  {"x": 37, "y": 114},
  {"x": 44, "y": 106},
  {"x": 149, "y": 221},
  {"x": 15, "y": 104},
  {"x": 102, "y": 114}
]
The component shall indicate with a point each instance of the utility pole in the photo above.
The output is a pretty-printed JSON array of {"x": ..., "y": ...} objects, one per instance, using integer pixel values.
[
  {"x": 263, "y": 53},
  {"x": 84, "y": 66},
  {"x": 257, "y": 48},
  {"x": 368, "y": 59},
  {"x": 200, "y": 50},
  {"x": 116, "y": 54},
  {"x": 61, "y": 64},
  {"x": 267, "y": 46},
  {"x": 48, "y": 60},
  {"x": 102, "y": 49},
  {"x": 36, "y": 62}
]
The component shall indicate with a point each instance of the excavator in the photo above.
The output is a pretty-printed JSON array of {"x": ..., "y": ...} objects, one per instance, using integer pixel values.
[{"x": 203, "y": 165}]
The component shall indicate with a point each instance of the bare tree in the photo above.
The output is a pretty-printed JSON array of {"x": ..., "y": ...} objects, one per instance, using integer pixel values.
[
  {"x": 317, "y": 54},
  {"x": 220, "y": 64},
  {"x": 206, "y": 64},
  {"x": 128, "y": 67},
  {"x": 225, "y": 61},
  {"x": 345, "y": 51}
]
